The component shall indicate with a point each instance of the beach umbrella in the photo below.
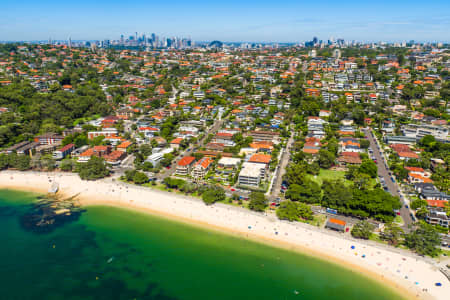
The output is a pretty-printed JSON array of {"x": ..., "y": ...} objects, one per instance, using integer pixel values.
[
  {"x": 249, "y": 227},
  {"x": 438, "y": 284},
  {"x": 363, "y": 256},
  {"x": 353, "y": 247}
]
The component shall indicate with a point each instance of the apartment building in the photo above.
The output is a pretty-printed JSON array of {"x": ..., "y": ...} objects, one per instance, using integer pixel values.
[{"x": 251, "y": 174}]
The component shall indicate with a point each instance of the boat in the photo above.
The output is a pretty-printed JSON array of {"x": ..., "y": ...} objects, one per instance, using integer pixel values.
[
  {"x": 110, "y": 260},
  {"x": 296, "y": 292}
]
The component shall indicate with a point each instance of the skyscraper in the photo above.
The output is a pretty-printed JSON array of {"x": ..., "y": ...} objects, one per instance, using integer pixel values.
[{"x": 337, "y": 53}]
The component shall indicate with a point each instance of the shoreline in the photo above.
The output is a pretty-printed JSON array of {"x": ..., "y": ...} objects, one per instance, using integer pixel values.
[{"x": 393, "y": 269}]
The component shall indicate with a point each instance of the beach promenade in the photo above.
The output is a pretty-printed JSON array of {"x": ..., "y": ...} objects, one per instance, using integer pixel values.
[{"x": 412, "y": 276}]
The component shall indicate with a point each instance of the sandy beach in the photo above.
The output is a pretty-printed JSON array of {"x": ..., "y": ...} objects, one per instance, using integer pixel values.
[{"x": 410, "y": 275}]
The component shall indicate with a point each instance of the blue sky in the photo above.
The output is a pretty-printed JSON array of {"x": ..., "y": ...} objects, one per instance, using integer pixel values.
[{"x": 278, "y": 21}]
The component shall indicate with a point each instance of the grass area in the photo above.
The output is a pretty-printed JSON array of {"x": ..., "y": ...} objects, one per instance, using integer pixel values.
[
  {"x": 398, "y": 220},
  {"x": 158, "y": 186},
  {"x": 376, "y": 238},
  {"x": 234, "y": 203},
  {"x": 327, "y": 174},
  {"x": 445, "y": 253},
  {"x": 318, "y": 220}
]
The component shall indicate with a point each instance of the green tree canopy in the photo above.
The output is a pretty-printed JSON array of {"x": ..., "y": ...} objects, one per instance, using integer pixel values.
[
  {"x": 258, "y": 201},
  {"x": 424, "y": 240},
  {"x": 293, "y": 211},
  {"x": 93, "y": 169},
  {"x": 362, "y": 230}
]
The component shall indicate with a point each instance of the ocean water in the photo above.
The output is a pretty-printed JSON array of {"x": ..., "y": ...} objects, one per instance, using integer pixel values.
[{"x": 112, "y": 253}]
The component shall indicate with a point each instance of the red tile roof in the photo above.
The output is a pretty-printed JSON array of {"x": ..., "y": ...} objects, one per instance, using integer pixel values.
[
  {"x": 408, "y": 154},
  {"x": 187, "y": 160},
  {"x": 437, "y": 203},
  {"x": 176, "y": 141},
  {"x": 204, "y": 162},
  {"x": 415, "y": 169},
  {"x": 260, "y": 158}
]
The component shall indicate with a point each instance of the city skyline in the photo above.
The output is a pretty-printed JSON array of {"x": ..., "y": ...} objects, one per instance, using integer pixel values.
[{"x": 234, "y": 22}]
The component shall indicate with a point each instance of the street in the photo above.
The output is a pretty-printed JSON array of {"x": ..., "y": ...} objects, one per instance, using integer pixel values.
[
  {"x": 281, "y": 169},
  {"x": 384, "y": 172},
  {"x": 169, "y": 172}
]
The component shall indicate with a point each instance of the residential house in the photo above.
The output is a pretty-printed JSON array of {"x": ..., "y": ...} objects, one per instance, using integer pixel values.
[
  {"x": 201, "y": 167},
  {"x": 175, "y": 143},
  {"x": 184, "y": 165},
  {"x": 63, "y": 152},
  {"x": 227, "y": 165}
]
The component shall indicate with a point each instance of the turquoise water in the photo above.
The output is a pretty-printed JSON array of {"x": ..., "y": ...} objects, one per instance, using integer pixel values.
[{"x": 112, "y": 253}]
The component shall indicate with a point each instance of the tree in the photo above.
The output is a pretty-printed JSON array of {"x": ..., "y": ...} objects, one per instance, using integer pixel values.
[
  {"x": 4, "y": 161},
  {"x": 392, "y": 234},
  {"x": 418, "y": 203},
  {"x": 147, "y": 166},
  {"x": 295, "y": 173},
  {"x": 80, "y": 140},
  {"x": 425, "y": 240},
  {"x": 308, "y": 191},
  {"x": 364, "y": 143},
  {"x": 335, "y": 193},
  {"x": 93, "y": 169},
  {"x": 213, "y": 194},
  {"x": 129, "y": 175},
  {"x": 258, "y": 201},
  {"x": 48, "y": 162},
  {"x": 167, "y": 159},
  {"x": 292, "y": 211},
  {"x": 20, "y": 162},
  {"x": 368, "y": 167},
  {"x": 146, "y": 149},
  {"x": 66, "y": 165},
  {"x": 140, "y": 178},
  {"x": 326, "y": 159},
  {"x": 362, "y": 230},
  {"x": 361, "y": 180}
]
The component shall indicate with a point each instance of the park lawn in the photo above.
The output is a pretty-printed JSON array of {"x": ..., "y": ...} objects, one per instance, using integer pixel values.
[
  {"x": 376, "y": 238},
  {"x": 318, "y": 220},
  {"x": 327, "y": 174}
]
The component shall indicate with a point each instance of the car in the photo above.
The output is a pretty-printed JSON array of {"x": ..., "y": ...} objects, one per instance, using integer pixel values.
[
  {"x": 233, "y": 190},
  {"x": 168, "y": 167},
  {"x": 406, "y": 206}
]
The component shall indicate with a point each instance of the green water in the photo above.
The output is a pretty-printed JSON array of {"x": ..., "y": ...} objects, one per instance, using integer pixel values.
[{"x": 153, "y": 258}]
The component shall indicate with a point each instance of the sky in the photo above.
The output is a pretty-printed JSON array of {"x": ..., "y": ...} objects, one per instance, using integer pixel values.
[{"x": 228, "y": 20}]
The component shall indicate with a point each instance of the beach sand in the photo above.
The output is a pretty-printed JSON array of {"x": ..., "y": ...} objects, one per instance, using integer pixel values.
[{"x": 408, "y": 274}]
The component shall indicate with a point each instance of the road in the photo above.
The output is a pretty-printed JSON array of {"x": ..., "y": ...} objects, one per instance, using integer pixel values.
[
  {"x": 281, "y": 170},
  {"x": 384, "y": 172},
  {"x": 169, "y": 172}
]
